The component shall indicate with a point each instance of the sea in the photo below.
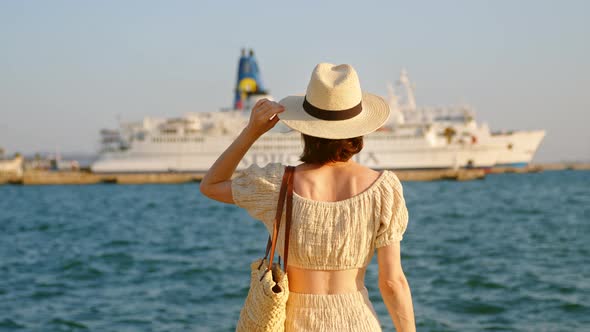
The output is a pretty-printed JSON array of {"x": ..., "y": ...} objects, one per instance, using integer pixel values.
[{"x": 510, "y": 252}]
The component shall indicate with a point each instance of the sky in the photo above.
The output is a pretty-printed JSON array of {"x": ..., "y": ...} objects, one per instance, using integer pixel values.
[{"x": 70, "y": 68}]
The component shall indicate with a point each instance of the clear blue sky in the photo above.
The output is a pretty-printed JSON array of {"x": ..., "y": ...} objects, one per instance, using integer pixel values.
[{"x": 69, "y": 68}]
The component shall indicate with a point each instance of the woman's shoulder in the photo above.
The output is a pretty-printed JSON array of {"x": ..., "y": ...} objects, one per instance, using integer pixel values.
[
  {"x": 255, "y": 189},
  {"x": 383, "y": 177},
  {"x": 387, "y": 186},
  {"x": 269, "y": 169},
  {"x": 255, "y": 180},
  {"x": 271, "y": 174},
  {"x": 393, "y": 180},
  {"x": 392, "y": 176}
]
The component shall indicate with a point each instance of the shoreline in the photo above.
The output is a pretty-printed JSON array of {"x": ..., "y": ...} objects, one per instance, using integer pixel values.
[{"x": 39, "y": 177}]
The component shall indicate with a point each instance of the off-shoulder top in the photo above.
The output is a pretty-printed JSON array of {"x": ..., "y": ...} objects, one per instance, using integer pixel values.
[{"x": 336, "y": 235}]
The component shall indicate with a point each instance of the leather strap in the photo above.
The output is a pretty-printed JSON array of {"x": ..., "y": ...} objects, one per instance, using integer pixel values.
[
  {"x": 289, "y": 212},
  {"x": 286, "y": 185}
]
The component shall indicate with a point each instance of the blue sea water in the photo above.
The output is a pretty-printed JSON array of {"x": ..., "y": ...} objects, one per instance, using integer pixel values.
[{"x": 508, "y": 253}]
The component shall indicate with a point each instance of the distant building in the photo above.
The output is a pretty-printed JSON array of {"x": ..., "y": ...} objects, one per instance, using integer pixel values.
[{"x": 12, "y": 166}]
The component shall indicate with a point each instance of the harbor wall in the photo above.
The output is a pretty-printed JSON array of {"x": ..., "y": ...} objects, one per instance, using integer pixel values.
[{"x": 38, "y": 177}]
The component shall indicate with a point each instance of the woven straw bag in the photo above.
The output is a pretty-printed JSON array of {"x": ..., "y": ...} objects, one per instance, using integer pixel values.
[{"x": 265, "y": 307}]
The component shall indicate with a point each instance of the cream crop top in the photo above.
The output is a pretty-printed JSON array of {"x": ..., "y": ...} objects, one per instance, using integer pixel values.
[{"x": 327, "y": 235}]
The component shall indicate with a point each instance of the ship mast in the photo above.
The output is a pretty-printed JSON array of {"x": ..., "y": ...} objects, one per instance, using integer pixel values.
[
  {"x": 396, "y": 116},
  {"x": 404, "y": 82}
]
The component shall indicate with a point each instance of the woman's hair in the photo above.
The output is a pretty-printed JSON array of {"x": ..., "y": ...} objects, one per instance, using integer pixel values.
[{"x": 319, "y": 150}]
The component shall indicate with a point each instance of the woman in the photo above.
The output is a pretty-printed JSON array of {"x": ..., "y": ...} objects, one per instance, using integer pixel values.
[{"x": 342, "y": 211}]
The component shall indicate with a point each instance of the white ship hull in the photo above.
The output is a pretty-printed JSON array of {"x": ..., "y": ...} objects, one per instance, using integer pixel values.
[
  {"x": 382, "y": 150},
  {"x": 520, "y": 147}
]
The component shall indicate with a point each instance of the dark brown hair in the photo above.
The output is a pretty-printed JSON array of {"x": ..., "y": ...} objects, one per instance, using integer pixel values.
[{"x": 319, "y": 150}]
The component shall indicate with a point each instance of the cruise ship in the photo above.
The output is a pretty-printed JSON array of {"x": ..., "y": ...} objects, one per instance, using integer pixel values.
[{"x": 414, "y": 138}]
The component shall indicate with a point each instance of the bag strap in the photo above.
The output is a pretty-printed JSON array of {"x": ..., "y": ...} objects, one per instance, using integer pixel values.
[
  {"x": 289, "y": 214},
  {"x": 286, "y": 185}
]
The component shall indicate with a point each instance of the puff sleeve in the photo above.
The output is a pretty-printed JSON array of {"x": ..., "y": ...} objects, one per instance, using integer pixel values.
[
  {"x": 256, "y": 189},
  {"x": 393, "y": 220}
]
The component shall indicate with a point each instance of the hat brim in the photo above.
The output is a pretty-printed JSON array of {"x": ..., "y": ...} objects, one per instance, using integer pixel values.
[{"x": 374, "y": 115}]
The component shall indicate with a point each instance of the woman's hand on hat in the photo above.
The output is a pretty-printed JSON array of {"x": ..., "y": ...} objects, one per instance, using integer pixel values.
[{"x": 264, "y": 116}]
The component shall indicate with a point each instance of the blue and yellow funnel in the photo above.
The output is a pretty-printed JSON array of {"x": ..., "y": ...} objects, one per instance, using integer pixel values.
[{"x": 249, "y": 81}]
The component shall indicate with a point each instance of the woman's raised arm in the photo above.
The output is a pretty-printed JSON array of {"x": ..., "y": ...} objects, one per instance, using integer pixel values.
[
  {"x": 394, "y": 288},
  {"x": 217, "y": 182}
]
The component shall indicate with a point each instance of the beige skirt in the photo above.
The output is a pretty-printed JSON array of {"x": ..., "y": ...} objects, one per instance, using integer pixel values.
[{"x": 337, "y": 312}]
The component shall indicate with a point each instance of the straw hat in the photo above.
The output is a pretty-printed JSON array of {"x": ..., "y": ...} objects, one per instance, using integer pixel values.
[{"x": 334, "y": 105}]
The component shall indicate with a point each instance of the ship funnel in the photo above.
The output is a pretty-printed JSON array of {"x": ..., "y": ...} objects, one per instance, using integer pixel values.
[{"x": 249, "y": 81}]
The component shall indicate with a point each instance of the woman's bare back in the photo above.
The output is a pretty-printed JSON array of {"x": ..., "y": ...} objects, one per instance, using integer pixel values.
[
  {"x": 330, "y": 183},
  {"x": 333, "y": 182}
]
